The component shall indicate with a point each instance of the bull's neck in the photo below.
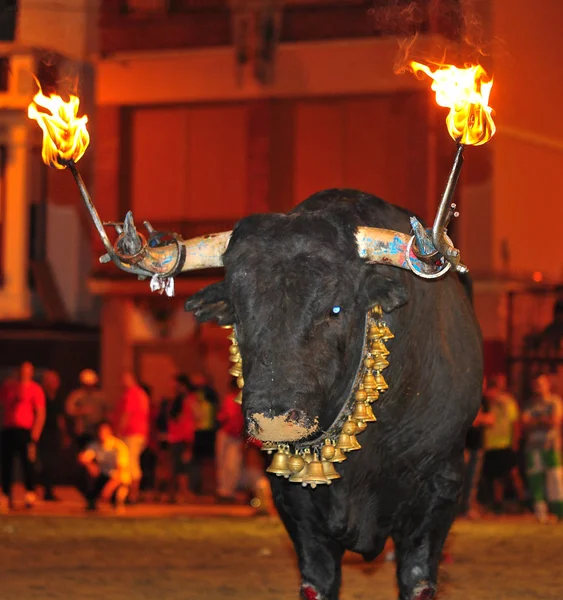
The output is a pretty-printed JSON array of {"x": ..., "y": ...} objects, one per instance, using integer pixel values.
[{"x": 311, "y": 462}]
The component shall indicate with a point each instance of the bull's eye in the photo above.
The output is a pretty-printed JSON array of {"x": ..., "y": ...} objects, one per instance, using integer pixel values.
[{"x": 335, "y": 311}]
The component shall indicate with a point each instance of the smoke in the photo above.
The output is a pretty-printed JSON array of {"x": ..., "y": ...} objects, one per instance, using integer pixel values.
[{"x": 436, "y": 31}]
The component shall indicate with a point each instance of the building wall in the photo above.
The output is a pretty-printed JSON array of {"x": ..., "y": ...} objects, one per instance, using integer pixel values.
[{"x": 528, "y": 149}]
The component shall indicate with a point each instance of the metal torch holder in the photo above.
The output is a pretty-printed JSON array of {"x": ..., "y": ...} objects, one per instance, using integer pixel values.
[{"x": 433, "y": 246}]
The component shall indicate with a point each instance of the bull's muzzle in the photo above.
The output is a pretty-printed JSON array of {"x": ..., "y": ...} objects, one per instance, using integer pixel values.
[{"x": 290, "y": 426}]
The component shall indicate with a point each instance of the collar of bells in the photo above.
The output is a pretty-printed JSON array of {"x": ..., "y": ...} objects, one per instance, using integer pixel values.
[{"x": 313, "y": 463}]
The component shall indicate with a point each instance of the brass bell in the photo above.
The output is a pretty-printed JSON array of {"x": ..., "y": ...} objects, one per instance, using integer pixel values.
[
  {"x": 240, "y": 381},
  {"x": 368, "y": 362},
  {"x": 328, "y": 451},
  {"x": 362, "y": 426},
  {"x": 295, "y": 463},
  {"x": 238, "y": 398},
  {"x": 370, "y": 418},
  {"x": 269, "y": 447},
  {"x": 374, "y": 332},
  {"x": 236, "y": 369},
  {"x": 315, "y": 474},
  {"x": 345, "y": 443},
  {"x": 234, "y": 349},
  {"x": 386, "y": 333},
  {"x": 329, "y": 470},
  {"x": 380, "y": 382},
  {"x": 373, "y": 395},
  {"x": 279, "y": 465},
  {"x": 235, "y": 358},
  {"x": 369, "y": 382},
  {"x": 355, "y": 444},
  {"x": 363, "y": 412},
  {"x": 378, "y": 348},
  {"x": 380, "y": 363},
  {"x": 339, "y": 456}
]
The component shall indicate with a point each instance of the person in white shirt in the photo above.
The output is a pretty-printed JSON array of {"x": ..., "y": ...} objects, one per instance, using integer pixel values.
[{"x": 107, "y": 461}]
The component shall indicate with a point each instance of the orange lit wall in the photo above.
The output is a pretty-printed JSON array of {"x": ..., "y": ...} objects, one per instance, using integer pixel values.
[{"x": 528, "y": 149}]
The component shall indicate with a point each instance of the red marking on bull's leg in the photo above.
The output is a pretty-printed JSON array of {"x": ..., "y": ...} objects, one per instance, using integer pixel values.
[{"x": 308, "y": 592}]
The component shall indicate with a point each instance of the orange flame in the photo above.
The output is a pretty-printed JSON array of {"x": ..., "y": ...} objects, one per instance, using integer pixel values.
[
  {"x": 65, "y": 136},
  {"x": 466, "y": 93}
]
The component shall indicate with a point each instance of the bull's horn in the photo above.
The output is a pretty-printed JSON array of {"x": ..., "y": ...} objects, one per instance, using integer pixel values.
[
  {"x": 206, "y": 251},
  {"x": 384, "y": 246},
  {"x": 163, "y": 254}
]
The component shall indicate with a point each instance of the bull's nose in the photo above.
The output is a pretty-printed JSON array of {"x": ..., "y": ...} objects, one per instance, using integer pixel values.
[{"x": 292, "y": 424}]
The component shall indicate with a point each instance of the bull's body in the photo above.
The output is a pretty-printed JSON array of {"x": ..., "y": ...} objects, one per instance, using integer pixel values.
[{"x": 282, "y": 272}]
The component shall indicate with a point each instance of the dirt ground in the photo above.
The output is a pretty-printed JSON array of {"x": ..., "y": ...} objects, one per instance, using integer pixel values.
[{"x": 180, "y": 557}]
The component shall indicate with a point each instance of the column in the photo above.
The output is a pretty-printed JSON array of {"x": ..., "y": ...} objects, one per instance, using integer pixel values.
[{"x": 15, "y": 295}]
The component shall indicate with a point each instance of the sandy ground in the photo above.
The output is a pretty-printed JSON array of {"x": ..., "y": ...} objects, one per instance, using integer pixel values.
[{"x": 216, "y": 553}]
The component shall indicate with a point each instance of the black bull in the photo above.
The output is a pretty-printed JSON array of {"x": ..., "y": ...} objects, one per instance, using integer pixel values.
[{"x": 283, "y": 276}]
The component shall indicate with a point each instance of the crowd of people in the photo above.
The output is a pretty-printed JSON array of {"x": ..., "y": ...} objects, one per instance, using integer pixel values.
[
  {"x": 131, "y": 449},
  {"x": 136, "y": 447},
  {"x": 514, "y": 454}
]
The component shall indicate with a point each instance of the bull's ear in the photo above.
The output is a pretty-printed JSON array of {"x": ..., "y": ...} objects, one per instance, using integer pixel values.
[
  {"x": 386, "y": 286},
  {"x": 211, "y": 304}
]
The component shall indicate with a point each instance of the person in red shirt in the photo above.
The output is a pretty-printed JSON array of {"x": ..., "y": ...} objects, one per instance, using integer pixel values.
[
  {"x": 132, "y": 426},
  {"x": 229, "y": 446},
  {"x": 22, "y": 403},
  {"x": 181, "y": 424}
]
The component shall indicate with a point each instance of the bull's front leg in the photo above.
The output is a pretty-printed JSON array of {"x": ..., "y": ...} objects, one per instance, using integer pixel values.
[
  {"x": 419, "y": 545},
  {"x": 319, "y": 556}
]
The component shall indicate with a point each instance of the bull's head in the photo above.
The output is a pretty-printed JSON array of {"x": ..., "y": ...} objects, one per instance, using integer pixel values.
[{"x": 297, "y": 288}]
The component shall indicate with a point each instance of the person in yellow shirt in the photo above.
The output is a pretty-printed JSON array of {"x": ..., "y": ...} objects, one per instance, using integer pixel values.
[
  {"x": 107, "y": 461},
  {"x": 501, "y": 441}
]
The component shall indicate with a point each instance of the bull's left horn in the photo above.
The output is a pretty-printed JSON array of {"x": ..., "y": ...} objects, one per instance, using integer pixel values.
[{"x": 384, "y": 246}]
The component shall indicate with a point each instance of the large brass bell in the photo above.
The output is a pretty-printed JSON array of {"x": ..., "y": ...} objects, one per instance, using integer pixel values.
[
  {"x": 380, "y": 363},
  {"x": 236, "y": 369},
  {"x": 378, "y": 348},
  {"x": 315, "y": 474},
  {"x": 351, "y": 428},
  {"x": 380, "y": 382},
  {"x": 329, "y": 470},
  {"x": 363, "y": 412},
  {"x": 347, "y": 442},
  {"x": 369, "y": 382},
  {"x": 339, "y": 456},
  {"x": 280, "y": 464},
  {"x": 386, "y": 333},
  {"x": 374, "y": 332}
]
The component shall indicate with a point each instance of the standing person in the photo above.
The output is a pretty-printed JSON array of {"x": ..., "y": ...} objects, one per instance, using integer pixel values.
[
  {"x": 542, "y": 422},
  {"x": 132, "y": 426},
  {"x": 501, "y": 442},
  {"x": 106, "y": 459},
  {"x": 229, "y": 446},
  {"x": 473, "y": 458},
  {"x": 204, "y": 444},
  {"x": 181, "y": 434},
  {"x": 23, "y": 416},
  {"x": 50, "y": 442},
  {"x": 86, "y": 406}
]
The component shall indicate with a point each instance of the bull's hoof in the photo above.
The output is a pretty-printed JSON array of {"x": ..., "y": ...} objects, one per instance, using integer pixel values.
[
  {"x": 309, "y": 592},
  {"x": 424, "y": 591}
]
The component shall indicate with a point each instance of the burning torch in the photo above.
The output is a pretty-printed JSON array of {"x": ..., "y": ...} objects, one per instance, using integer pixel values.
[
  {"x": 466, "y": 93},
  {"x": 160, "y": 255}
]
